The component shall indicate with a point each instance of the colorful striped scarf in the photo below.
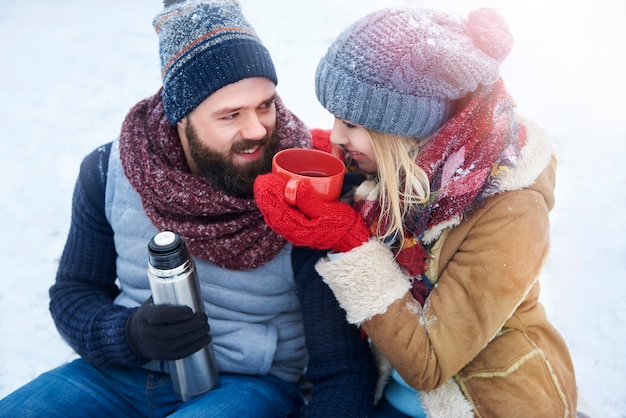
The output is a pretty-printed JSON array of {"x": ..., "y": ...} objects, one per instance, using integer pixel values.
[{"x": 462, "y": 161}]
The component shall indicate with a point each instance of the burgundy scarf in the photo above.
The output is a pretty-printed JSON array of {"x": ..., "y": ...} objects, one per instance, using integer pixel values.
[
  {"x": 461, "y": 160},
  {"x": 225, "y": 230}
]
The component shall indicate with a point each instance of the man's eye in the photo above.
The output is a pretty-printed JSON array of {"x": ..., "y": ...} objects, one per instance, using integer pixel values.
[{"x": 267, "y": 104}]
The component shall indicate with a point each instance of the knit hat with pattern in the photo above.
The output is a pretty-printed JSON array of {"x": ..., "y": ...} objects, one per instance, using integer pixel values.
[
  {"x": 400, "y": 70},
  {"x": 205, "y": 45}
]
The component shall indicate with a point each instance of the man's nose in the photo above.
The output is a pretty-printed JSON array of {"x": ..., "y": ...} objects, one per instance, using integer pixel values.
[{"x": 253, "y": 128}]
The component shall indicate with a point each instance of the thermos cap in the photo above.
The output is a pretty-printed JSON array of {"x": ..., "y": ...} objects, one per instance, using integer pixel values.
[
  {"x": 164, "y": 238},
  {"x": 167, "y": 251}
]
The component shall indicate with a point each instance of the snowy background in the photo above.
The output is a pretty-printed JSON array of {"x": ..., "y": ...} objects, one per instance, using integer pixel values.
[{"x": 71, "y": 70}]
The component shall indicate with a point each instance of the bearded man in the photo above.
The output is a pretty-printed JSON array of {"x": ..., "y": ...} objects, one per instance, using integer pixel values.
[{"x": 185, "y": 161}]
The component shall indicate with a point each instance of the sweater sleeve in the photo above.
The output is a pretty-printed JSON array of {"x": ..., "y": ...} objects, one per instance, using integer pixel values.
[
  {"x": 340, "y": 368},
  {"x": 82, "y": 297}
]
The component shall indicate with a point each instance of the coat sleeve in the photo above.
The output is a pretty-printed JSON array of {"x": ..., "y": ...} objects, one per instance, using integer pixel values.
[
  {"x": 81, "y": 299},
  {"x": 496, "y": 263},
  {"x": 341, "y": 369}
]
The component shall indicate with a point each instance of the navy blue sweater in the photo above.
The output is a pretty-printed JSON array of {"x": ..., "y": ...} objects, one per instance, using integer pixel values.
[{"x": 340, "y": 366}]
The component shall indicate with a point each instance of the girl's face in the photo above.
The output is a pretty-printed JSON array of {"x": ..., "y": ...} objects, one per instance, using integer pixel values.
[{"x": 356, "y": 143}]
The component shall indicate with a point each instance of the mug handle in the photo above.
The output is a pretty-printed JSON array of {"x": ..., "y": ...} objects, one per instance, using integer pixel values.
[{"x": 291, "y": 188}]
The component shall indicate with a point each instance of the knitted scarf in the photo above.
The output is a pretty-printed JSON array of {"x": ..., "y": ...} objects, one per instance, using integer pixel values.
[
  {"x": 225, "y": 230},
  {"x": 462, "y": 161}
]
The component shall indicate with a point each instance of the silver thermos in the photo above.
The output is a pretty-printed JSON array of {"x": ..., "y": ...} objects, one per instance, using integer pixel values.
[{"x": 173, "y": 280}]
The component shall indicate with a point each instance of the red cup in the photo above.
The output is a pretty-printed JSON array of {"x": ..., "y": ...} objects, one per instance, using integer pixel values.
[{"x": 320, "y": 170}]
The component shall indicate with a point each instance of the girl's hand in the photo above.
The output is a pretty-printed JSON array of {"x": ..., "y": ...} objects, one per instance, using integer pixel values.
[{"x": 313, "y": 222}]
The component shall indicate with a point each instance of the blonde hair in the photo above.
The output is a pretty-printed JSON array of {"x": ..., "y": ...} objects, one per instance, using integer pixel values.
[{"x": 403, "y": 183}]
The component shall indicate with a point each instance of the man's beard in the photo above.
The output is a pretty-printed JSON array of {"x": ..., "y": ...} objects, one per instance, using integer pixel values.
[{"x": 234, "y": 180}]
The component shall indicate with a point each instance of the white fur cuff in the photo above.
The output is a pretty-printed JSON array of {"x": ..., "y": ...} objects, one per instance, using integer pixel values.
[
  {"x": 446, "y": 401},
  {"x": 365, "y": 280}
]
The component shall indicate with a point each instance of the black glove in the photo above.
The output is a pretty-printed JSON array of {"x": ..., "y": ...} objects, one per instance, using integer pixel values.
[{"x": 166, "y": 332}]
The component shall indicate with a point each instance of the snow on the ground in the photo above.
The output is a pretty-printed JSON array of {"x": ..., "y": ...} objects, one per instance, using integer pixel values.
[{"x": 71, "y": 70}]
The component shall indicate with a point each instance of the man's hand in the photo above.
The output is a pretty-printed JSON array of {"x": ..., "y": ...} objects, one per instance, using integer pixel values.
[{"x": 166, "y": 332}]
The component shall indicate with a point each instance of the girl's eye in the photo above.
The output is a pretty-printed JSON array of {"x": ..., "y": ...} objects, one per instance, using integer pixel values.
[{"x": 346, "y": 123}]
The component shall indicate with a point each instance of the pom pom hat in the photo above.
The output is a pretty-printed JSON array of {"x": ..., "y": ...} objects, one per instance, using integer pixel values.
[
  {"x": 205, "y": 45},
  {"x": 400, "y": 70}
]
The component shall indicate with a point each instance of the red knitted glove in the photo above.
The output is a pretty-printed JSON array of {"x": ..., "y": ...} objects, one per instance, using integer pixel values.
[
  {"x": 320, "y": 139},
  {"x": 313, "y": 223}
]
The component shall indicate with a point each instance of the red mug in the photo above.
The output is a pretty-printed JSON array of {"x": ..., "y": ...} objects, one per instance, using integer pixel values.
[{"x": 320, "y": 170}]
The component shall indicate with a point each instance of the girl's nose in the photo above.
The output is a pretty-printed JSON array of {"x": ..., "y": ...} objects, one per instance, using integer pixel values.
[{"x": 337, "y": 135}]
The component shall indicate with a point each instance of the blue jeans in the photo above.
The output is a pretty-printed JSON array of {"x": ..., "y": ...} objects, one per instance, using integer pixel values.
[{"x": 82, "y": 389}]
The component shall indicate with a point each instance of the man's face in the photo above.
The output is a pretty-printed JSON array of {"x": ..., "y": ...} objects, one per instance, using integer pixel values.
[{"x": 230, "y": 137}]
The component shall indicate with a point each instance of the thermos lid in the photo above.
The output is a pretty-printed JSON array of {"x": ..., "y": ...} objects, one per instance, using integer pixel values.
[{"x": 167, "y": 251}]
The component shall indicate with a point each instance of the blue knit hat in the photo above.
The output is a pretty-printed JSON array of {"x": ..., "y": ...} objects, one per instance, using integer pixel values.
[
  {"x": 400, "y": 70},
  {"x": 205, "y": 45}
]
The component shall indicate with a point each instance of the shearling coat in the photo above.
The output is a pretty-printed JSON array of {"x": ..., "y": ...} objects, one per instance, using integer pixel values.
[{"x": 482, "y": 325}]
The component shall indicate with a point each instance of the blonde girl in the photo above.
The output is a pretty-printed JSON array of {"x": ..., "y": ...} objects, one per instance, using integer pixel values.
[{"x": 438, "y": 257}]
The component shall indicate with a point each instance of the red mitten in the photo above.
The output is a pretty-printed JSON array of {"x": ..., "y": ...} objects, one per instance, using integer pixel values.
[
  {"x": 320, "y": 139},
  {"x": 313, "y": 222}
]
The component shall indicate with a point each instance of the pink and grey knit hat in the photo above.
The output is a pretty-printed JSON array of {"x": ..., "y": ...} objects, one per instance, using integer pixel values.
[{"x": 399, "y": 70}]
